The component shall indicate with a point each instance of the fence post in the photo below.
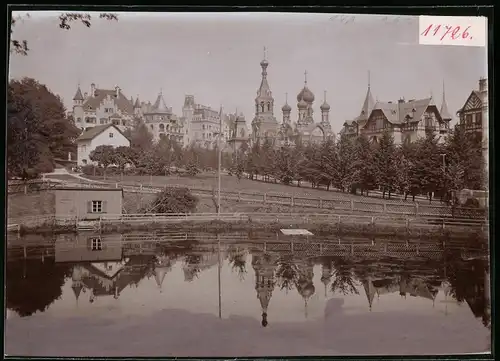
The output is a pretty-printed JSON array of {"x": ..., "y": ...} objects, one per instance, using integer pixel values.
[
  {"x": 352, "y": 249},
  {"x": 352, "y": 205},
  {"x": 373, "y": 221},
  {"x": 418, "y": 249},
  {"x": 116, "y": 185},
  {"x": 25, "y": 189},
  {"x": 416, "y": 208},
  {"x": 292, "y": 201},
  {"x": 385, "y": 207},
  {"x": 320, "y": 203},
  {"x": 265, "y": 197},
  {"x": 239, "y": 196},
  {"x": 407, "y": 224}
]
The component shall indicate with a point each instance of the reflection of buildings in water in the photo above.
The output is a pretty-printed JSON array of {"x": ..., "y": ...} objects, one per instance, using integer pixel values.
[
  {"x": 126, "y": 273},
  {"x": 198, "y": 262},
  {"x": 415, "y": 287},
  {"x": 305, "y": 283},
  {"x": 264, "y": 266},
  {"x": 84, "y": 247},
  {"x": 163, "y": 264}
]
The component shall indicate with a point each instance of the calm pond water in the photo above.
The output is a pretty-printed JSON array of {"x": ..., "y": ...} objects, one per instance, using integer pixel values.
[{"x": 240, "y": 294}]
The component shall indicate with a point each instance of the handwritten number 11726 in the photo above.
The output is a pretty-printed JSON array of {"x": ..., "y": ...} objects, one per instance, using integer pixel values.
[{"x": 442, "y": 31}]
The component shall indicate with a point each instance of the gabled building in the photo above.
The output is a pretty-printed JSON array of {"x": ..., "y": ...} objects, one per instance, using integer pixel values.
[
  {"x": 102, "y": 106},
  {"x": 90, "y": 139},
  {"x": 161, "y": 121},
  {"x": 405, "y": 120},
  {"x": 473, "y": 116}
]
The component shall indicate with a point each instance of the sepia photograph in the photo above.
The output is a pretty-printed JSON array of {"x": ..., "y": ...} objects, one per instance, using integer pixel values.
[{"x": 247, "y": 184}]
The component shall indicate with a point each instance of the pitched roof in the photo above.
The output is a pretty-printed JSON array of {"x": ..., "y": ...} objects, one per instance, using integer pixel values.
[
  {"x": 368, "y": 105},
  {"x": 93, "y": 132},
  {"x": 95, "y": 100},
  {"x": 396, "y": 113},
  {"x": 473, "y": 102},
  {"x": 159, "y": 106},
  {"x": 78, "y": 95}
]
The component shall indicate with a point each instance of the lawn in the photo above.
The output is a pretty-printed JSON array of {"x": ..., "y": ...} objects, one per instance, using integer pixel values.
[{"x": 232, "y": 184}]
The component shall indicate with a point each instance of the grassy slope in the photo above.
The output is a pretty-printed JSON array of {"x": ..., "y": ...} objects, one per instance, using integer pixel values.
[{"x": 229, "y": 183}]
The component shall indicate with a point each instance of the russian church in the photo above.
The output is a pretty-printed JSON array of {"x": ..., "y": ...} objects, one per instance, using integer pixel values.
[{"x": 304, "y": 129}]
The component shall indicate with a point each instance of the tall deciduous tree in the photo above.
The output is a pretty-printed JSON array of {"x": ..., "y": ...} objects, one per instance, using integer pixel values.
[
  {"x": 104, "y": 155},
  {"x": 37, "y": 129}
]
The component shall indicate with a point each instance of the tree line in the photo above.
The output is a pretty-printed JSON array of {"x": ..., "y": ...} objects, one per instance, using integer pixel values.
[{"x": 356, "y": 164}]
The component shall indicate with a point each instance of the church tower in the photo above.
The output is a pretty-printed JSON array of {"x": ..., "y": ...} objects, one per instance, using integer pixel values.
[
  {"x": 264, "y": 266},
  {"x": 286, "y": 109},
  {"x": 326, "y": 275},
  {"x": 325, "y": 120},
  {"x": 305, "y": 284},
  {"x": 264, "y": 123}
]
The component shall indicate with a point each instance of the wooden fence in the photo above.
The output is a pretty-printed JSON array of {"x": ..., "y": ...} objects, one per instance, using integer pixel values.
[
  {"x": 332, "y": 204},
  {"x": 260, "y": 218}
]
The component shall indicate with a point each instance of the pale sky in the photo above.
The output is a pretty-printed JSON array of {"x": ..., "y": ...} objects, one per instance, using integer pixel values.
[{"x": 216, "y": 58}]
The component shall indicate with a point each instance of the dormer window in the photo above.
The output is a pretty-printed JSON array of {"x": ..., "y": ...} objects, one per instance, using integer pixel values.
[{"x": 111, "y": 135}]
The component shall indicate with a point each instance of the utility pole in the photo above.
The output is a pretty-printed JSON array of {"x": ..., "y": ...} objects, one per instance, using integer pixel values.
[{"x": 219, "y": 154}]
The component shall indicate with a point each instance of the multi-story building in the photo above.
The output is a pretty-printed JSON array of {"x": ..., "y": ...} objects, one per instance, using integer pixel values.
[
  {"x": 160, "y": 120},
  {"x": 266, "y": 126},
  {"x": 102, "y": 106},
  {"x": 405, "y": 120},
  {"x": 203, "y": 124},
  {"x": 473, "y": 116}
]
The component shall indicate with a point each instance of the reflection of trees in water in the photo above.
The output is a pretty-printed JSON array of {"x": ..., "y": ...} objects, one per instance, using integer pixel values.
[
  {"x": 343, "y": 277},
  {"x": 237, "y": 260},
  {"x": 467, "y": 284},
  {"x": 35, "y": 290},
  {"x": 192, "y": 269},
  {"x": 287, "y": 274}
]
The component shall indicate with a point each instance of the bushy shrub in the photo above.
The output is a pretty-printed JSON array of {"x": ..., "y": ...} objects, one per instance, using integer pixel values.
[{"x": 174, "y": 200}]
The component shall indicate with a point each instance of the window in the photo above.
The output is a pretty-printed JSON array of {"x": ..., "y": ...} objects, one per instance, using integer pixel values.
[
  {"x": 84, "y": 161},
  {"x": 468, "y": 120},
  {"x": 479, "y": 119},
  {"x": 78, "y": 120},
  {"x": 97, "y": 207},
  {"x": 96, "y": 244},
  {"x": 111, "y": 135}
]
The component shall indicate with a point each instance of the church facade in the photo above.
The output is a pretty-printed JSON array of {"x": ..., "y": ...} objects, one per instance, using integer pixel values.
[{"x": 306, "y": 129}]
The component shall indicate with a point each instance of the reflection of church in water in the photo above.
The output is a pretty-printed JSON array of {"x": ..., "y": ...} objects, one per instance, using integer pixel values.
[
  {"x": 265, "y": 266},
  {"x": 306, "y": 129}
]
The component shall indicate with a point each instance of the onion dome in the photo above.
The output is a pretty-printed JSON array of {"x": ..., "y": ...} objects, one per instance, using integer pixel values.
[
  {"x": 286, "y": 108},
  {"x": 306, "y": 95},
  {"x": 325, "y": 106},
  {"x": 308, "y": 290},
  {"x": 302, "y": 104}
]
